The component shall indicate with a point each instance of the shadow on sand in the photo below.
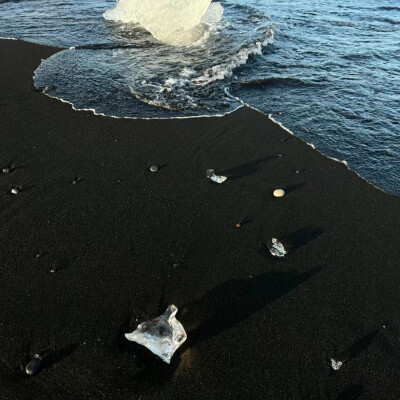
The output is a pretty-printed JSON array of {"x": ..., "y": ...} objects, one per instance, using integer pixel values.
[
  {"x": 228, "y": 304},
  {"x": 216, "y": 311},
  {"x": 246, "y": 169}
]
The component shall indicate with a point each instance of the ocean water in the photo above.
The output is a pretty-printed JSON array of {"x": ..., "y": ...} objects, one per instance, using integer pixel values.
[{"x": 328, "y": 70}]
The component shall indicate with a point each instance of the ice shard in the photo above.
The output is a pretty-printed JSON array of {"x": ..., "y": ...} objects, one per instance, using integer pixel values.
[
  {"x": 277, "y": 249},
  {"x": 162, "y": 335},
  {"x": 336, "y": 365},
  {"x": 215, "y": 178}
]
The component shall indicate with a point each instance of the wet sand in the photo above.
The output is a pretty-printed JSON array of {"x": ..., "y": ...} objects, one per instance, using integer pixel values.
[{"x": 94, "y": 243}]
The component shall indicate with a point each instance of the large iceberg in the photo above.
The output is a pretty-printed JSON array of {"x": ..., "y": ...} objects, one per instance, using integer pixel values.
[{"x": 174, "y": 22}]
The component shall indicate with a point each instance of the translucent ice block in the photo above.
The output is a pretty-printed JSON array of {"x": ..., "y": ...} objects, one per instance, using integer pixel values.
[
  {"x": 215, "y": 178},
  {"x": 162, "y": 335},
  {"x": 277, "y": 249},
  {"x": 166, "y": 20}
]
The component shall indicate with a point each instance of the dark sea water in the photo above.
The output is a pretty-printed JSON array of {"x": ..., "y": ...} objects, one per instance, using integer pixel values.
[{"x": 328, "y": 70}]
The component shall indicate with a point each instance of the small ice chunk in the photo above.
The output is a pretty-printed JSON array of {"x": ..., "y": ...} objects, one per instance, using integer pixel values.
[
  {"x": 336, "y": 365},
  {"x": 277, "y": 249},
  {"x": 162, "y": 335},
  {"x": 154, "y": 168},
  {"x": 14, "y": 191},
  {"x": 215, "y": 178},
  {"x": 47, "y": 89},
  {"x": 6, "y": 170}
]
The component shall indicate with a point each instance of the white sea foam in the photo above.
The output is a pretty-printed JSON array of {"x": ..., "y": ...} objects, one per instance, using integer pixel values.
[
  {"x": 344, "y": 162},
  {"x": 225, "y": 70}
]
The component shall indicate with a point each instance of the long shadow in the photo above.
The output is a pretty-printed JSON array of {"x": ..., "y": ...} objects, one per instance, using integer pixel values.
[
  {"x": 49, "y": 358},
  {"x": 54, "y": 357},
  {"x": 226, "y": 305},
  {"x": 246, "y": 169},
  {"x": 216, "y": 311},
  {"x": 11, "y": 165},
  {"x": 292, "y": 188},
  {"x": 352, "y": 393},
  {"x": 354, "y": 350},
  {"x": 301, "y": 237}
]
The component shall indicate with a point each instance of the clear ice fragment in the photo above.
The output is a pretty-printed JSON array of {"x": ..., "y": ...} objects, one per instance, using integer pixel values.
[
  {"x": 162, "y": 335},
  {"x": 336, "y": 365},
  {"x": 215, "y": 178},
  {"x": 277, "y": 249}
]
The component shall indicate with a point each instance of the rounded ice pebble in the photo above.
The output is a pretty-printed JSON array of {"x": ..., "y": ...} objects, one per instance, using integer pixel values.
[
  {"x": 279, "y": 193},
  {"x": 153, "y": 168},
  {"x": 14, "y": 191}
]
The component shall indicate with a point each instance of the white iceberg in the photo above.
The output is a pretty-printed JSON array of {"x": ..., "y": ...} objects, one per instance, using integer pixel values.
[
  {"x": 175, "y": 22},
  {"x": 162, "y": 335}
]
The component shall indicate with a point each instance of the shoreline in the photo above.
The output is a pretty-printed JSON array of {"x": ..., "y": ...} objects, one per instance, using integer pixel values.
[
  {"x": 83, "y": 263},
  {"x": 242, "y": 104}
]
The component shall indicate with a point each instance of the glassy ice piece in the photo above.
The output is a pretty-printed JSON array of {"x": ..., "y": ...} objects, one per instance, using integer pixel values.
[
  {"x": 277, "y": 249},
  {"x": 162, "y": 335},
  {"x": 215, "y": 178},
  {"x": 336, "y": 365}
]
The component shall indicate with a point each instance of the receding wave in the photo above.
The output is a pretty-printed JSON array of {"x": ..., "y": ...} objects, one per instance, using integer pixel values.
[{"x": 153, "y": 102}]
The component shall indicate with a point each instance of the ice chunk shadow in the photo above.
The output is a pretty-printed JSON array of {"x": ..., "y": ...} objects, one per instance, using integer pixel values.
[
  {"x": 301, "y": 237},
  {"x": 352, "y": 393},
  {"x": 54, "y": 357},
  {"x": 247, "y": 169},
  {"x": 293, "y": 188},
  {"x": 226, "y": 305},
  {"x": 355, "y": 349},
  {"x": 218, "y": 310}
]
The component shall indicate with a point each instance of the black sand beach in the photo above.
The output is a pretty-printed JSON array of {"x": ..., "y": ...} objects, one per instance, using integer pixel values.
[{"x": 83, "y": 263}]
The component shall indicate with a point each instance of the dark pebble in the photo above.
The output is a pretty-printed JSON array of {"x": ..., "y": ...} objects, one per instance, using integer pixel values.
[{"x": 33, "y": 367}]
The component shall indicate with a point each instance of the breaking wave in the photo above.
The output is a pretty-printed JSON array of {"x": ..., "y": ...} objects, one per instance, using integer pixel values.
[{"x": 143, "y": 73}]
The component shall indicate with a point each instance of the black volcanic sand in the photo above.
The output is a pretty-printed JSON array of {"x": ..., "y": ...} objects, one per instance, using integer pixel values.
[{"x": 123, "y": 243}]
